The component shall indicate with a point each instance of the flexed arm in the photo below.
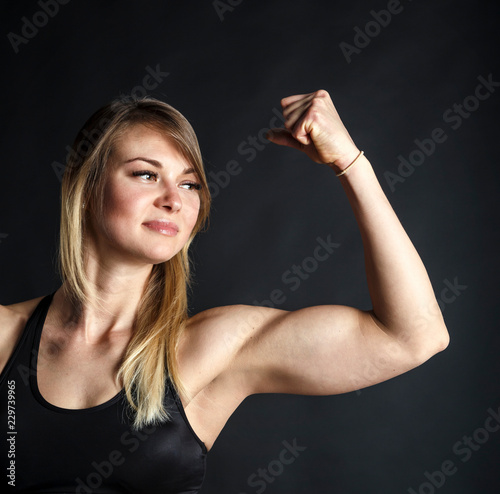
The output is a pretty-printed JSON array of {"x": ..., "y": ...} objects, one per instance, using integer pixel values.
[
  {"x": 330, "y": 349},
  {"x": 400, "y": 290}
]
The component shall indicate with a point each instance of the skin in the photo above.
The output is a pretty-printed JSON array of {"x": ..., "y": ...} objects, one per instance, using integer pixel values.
[{"x": 229, "y": 353}]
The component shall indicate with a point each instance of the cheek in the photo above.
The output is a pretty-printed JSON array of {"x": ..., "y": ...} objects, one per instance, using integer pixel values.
[
  {"x": 113, "y": 202},
  {"x": 192, "y": 210},
  {"x": 119, "y": 203}
]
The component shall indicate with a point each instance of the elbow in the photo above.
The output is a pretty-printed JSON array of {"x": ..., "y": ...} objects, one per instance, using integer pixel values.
[
  {"x": 444, "y": 340},
  {"x": 441, "y": 337},
  {"x": 433, "y": 344}
]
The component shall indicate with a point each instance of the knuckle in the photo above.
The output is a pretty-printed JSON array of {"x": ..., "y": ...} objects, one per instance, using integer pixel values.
[
  {"x": 321, "y": 93},
  {"x": 314, "y": 112},
  {"x": 317, "y": 104},
  {"x": 298, "y": 132}
]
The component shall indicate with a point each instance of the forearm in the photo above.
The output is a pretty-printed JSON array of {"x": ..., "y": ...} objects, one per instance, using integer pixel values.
[{"x": 401, "y": 293}]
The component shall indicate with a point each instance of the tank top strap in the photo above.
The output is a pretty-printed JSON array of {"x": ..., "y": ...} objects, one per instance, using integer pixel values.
[
  {"x": 23, "y": 352},
  {"x": 174, "y": 396},
  {"x": 95, "y": 449}
]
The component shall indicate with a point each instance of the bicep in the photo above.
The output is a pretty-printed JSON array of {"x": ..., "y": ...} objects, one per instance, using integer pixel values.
[{"x": 320, "y": 350}]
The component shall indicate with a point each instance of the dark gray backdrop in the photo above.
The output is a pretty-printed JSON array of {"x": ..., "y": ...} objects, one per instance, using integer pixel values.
[{"x": 226, "y": 65}]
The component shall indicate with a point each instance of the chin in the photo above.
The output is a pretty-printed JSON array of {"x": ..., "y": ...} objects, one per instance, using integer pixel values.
[{"x": 160, "y": 256}]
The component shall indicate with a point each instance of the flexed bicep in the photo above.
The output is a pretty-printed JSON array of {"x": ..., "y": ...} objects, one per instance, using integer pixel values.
[{"x": 322, "y": 350}]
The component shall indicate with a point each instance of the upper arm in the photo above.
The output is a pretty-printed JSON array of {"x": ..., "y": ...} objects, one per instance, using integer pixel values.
[
  {"x": 13, "y": 319},
  {"x": 8, "y": 335},
  {"x": 317, "y": 350}
]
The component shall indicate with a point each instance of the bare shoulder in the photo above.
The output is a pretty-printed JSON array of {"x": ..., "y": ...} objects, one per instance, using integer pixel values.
[
  {"x": 13, "y": 319},
  {"x": 228, "y": 326},
  {"x": 214, "y": 337}
]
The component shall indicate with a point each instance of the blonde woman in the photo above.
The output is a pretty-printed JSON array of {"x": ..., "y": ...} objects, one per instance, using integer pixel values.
[{"x": 108, "y": 385}]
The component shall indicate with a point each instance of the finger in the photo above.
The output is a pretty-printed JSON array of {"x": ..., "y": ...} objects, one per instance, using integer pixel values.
[
  {"x": 300, "y": 109},
  {"x": 294, "y": 112},
  {"x": 305, "y": 119},
  {"x": 294, "y": 122},
  {"x": 299, "y": 123},
  {"x": 298, "y": 113},
  {"x": 301, "y": 130},
  {"x": 283, "y": 137},
  {"x": 320, "y": 97},
  {"x": 301, "y": 104},
  {"x": 285, "y": 102},
  {"x": 290, "y": 100}
]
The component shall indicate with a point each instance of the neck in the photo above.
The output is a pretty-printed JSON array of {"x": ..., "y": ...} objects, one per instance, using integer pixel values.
[{"x": 112, "y": 304}]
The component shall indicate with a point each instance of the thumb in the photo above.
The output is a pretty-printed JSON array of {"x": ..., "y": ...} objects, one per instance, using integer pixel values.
[{"x": 283, "y": 137}]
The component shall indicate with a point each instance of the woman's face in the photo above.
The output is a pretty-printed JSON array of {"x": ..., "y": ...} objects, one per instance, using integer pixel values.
[{"x": 151, "y": 200}]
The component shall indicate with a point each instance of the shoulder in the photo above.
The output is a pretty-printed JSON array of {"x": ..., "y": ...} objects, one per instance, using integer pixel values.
[
  {"x": 20, "y": 311},
  {"x": 229, "y": 325},
  {"x": 214, "y": 337},
  {"x": 13, "y": 319}
]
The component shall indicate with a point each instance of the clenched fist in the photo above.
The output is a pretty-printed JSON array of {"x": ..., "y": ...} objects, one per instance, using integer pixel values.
[{"x": 313, "y": 126}]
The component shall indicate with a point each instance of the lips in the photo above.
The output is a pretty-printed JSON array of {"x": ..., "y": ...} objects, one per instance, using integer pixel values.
[{"x": 164, "y": 227}]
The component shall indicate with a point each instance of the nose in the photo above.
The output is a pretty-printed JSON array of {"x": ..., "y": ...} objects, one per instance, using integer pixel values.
[{"x": 170, "y": 198}]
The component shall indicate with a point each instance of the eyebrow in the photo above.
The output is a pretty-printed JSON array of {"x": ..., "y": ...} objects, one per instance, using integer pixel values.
[{"x": 157, "y": 164}]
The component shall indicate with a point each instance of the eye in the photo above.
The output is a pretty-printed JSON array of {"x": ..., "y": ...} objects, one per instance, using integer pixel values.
[
  {"x": 191, "y": 185},
  {"x": 148, "y": 174}
]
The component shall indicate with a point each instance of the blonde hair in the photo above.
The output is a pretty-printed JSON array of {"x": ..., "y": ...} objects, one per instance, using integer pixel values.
[{"x": 151, "y": 355}]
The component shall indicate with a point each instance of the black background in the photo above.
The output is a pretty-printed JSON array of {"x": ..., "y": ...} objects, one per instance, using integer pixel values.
[{"x": 227, "y": 71}]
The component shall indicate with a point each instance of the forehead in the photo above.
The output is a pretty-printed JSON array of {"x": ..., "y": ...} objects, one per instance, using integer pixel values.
[{"x": 146, "y": 141}]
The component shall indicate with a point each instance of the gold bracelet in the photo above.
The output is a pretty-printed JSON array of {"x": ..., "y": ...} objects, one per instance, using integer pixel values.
[{"x": 352, "y": 164}]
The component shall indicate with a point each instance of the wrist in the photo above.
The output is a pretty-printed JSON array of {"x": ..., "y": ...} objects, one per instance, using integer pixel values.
[{"x": 344, "y": 165}]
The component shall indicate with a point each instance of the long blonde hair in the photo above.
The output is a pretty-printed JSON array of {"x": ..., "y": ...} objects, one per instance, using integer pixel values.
[{"x": 151, "y": 355}]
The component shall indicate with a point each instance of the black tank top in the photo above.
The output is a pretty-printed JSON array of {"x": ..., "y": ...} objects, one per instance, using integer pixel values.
[{"x": 49, "y": 449}]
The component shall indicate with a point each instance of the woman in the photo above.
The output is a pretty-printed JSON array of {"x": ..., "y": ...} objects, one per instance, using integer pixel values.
[{"x": 113, "y": 387}]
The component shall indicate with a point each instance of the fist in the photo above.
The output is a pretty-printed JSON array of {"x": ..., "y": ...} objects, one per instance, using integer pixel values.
[{"x": 313, "y": 126}]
